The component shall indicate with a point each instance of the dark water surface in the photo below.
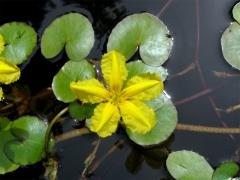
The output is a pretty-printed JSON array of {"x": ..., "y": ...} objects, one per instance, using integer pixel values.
[{"x": 196, "y": 26}]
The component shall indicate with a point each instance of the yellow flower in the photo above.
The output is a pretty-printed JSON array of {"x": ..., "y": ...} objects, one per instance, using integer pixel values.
[
  {"x": 9, "y": 72},
  {"x": 1, "y": 94},
  {"x": 2, "y": 43},
  {"x": 119, "y": 98}
]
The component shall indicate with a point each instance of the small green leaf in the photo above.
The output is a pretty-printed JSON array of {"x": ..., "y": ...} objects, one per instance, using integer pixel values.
[
  {"x": 226, "y": 171},
  {"x": 81, "y": 111},
  {"x": 231, "y": 45},
  {"x": 236, "y": 12},
  {"x": 137, "y": 67},
  {"x": 143, "y": 31},
  {"x": 166, "y": 123},
  {"x": 71, "y": 71},
  {"x": 4, "y": 123},
  {"x": 5, "y": 164},
  {"x": 28, "y": 147},
  {"x": 74, "y": 31},
  {"x": 20, "y": 40},
  {"x": 188, "y": 165}
]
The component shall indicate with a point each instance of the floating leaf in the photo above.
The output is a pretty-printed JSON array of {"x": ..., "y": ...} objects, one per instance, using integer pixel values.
[
  {"x": 146, "y": 32},
  {"x": 137, "y": 67},
  {"x": 188, "y": 165},
  {"x": 5, "y": 164},
  {"x": 226, "y": 171},
  {"x": 81, "y": 111},
  {"x": 71, "y": 71},
  {"x": 20, "y": 40},
  {"x": 28, "y": 147},
  {"x": 158, "y": 102},
  {"x": 231, "y": 45},
  {"x": 166, "y": 123},
  {"x": 236, "y": 12},
  {"x": 74, "y": 31}
]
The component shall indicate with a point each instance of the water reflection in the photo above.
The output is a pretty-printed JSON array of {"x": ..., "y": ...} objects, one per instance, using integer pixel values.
[{"x": 154, "y": 157}]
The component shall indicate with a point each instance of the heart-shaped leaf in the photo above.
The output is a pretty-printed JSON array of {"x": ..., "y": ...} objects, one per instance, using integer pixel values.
[
  {"x": 138, "y": 67},
  {"x": 226, "y": 171},
  {"x": 20, "y": 40},
  {"x": 146, "y": 32},
  {"x": 5, "y": 164},
  {"x": 188, "y": 165},
  {"x": 28, "y": 147},
  {"x": 81, "y": 111},
  {"x": 71, "y": 71},
  {"x": 74, "y": 31},
  {"x": 166, "y": 123},
  {"x": 231, "y": 45}
]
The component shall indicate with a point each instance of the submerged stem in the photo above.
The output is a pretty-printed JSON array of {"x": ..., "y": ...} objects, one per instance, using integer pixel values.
[
  {"x": 54, "y": 120},
  {"x": 90, "y": 159},
  {"x": 180, "y": 126},
  {"x": 207, "y": 129},
  {"x": 71, "y": 134}
]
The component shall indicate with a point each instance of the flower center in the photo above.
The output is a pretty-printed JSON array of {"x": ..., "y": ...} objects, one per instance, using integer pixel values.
[{"x": 115, "y": 98}]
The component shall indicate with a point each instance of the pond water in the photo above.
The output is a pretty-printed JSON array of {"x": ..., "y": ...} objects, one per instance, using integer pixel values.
[{"x": 197, "y": 91}]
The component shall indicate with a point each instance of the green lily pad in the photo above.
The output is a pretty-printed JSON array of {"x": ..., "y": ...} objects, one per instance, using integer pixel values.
[
  {"x": 5, "y": 164},
  {"x": 143, "y": 31},
  {"x": 71, "y": 71},
  {"x": 28, "y": 147},
  {"x": 4, "y": 123},
  {"x": 20, "y": 40},
  {"x": 226, "y": 171},
  {"x": 74, "y": 31},
  {"x": 137, "y": 67},
  {"x": 81, "y": 111},
  {"x": 231, "y": 45},
  {"x": 236, "y": 12},
  {"x": 159, "y": 101},
  {"x": 166, "y": 123},
  {"x": 188, "y": 165}
]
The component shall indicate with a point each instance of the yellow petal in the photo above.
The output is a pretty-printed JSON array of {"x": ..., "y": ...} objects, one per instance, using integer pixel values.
[
  {"x": 114, "y": 69},
  {"x": 90, "y": 91},
  {"x": 1, "y": 94},
  {"x": 145, "y": 86},
  {"x": 9, "y": 72},
  {"x": 137, "y": 116},
  {"x": 2, "y": 47},
  {"x": 105, "y": 119}
]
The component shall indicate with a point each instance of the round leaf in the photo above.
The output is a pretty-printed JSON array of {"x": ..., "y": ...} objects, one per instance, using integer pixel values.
[
  {"x": 188, "y": 165},
  {"x": 20, "y": 40},
  {"x": 226, "y": 171},
  {"x": 231, "y": 45},
  {"x": 166, "y": 123},
  {"x": 74, "y": 31},
  {"x": 71, "y": 71},
  {"x": 137, "y": 67},
  {"x": 146, "y": 32},
  {"x": 28, "y": 148},
  {"x": 236, "y": 12},
  {"x": 5, "y": 164}
]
